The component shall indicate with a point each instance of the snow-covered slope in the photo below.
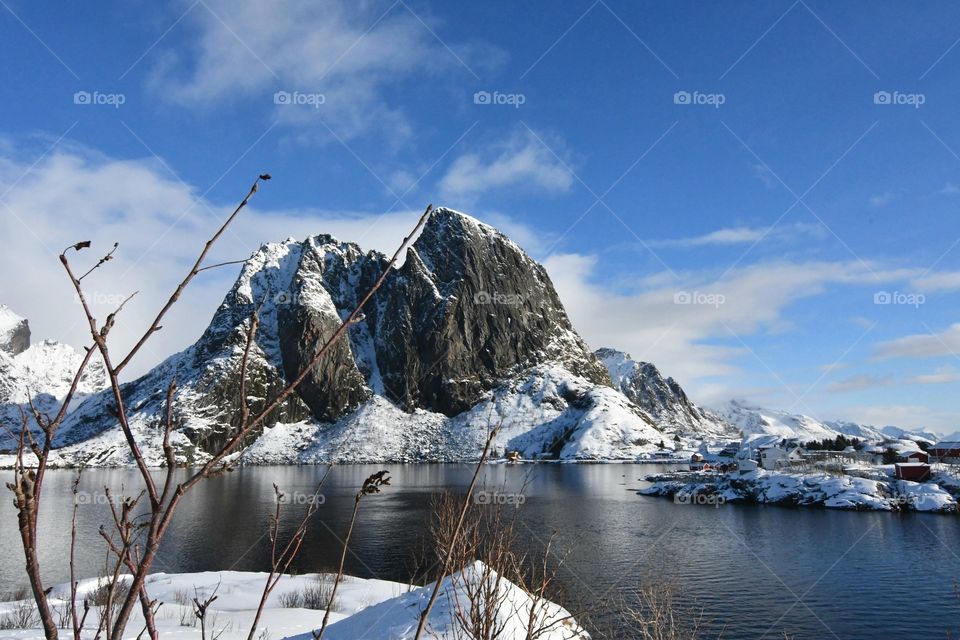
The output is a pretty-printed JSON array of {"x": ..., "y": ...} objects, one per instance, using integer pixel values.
[
  {"x": 516, "y": 612},
  {"x": 663, "y": 398},
  {"x": 753, "y": 420},
  {"x": 42, "y": 372}
]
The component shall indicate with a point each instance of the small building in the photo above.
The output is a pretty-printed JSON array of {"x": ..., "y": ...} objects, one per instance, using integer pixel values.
[
  {"x": 513, "y": 456},
  {"x": 913, "y": 455},
  {"x": 947, "y": 451},
  {"x": 916, "y": 471},
  {"x": 780, "y": 456},
  {"x": 747, "y": 465},
  {"x": 698, "y": 462},
  {"x": 730, "y": 451}
]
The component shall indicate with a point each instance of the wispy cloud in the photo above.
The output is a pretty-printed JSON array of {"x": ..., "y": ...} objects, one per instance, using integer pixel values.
[
  {"x": 949, "y": 189},
  {"x": 921, "y": 345},
  {"x": 882, "y": 199},
  {"x": 520, "y": 161},
  {"x": 692, "y": 327},
  {"x": 943, "y": 281},
  {"x": 344, "y": 54},
  {"x": 860, "y": 382},
  {"x": 731, "y": 236},
  {"x": 943, "y": 375}
]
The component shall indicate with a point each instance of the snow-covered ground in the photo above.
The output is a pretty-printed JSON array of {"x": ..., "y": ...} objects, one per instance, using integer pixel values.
[
  {"x": 803, "y": 489},
  {"x": 365, "y": 609}
]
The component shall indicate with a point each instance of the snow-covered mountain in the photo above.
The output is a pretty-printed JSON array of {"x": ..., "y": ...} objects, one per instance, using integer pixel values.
[
  {"x": 663, "y": 398},
  {"x": 754, "y": 420},
  {"x": 42, "y": 372},
  {"x": 467, "y": 333}
]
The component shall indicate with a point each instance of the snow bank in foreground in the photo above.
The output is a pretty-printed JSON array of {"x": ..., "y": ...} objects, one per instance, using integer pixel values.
[
  {"x": 374, "y": 609},
  {"x": 800, "y": 489},
  {"x": 398, "y": 617}
]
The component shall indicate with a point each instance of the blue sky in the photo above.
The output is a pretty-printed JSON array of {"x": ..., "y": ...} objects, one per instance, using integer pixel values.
[{"x": 736, "y": 156}]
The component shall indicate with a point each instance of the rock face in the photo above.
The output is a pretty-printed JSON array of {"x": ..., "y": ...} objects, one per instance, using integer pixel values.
[
  {"x": 41, "y": 373},
  {"x": 14, "y": 332},
  {"x": 663, "y": 398},
  {"x": 466, "y": 311}
]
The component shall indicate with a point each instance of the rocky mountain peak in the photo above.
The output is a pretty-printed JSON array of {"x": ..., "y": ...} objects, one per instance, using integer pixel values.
[
  {"x": 663, "y": 398},
  {"x": 466, "y": 310},
  {"x": 14, "y": 332}
]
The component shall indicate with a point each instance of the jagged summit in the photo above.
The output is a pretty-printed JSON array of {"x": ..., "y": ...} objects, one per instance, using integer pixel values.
[
  {"x": 40, "y": 372},
  {"x": 467, "y": 314},
  {"x": 14, "y": 332},
  {"x": 663, "y": 398}
]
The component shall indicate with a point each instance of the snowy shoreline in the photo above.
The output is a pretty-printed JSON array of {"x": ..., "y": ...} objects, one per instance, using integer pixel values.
[
  {"x": 363, "y": 609},
  {"x": 804, "y": 490}
]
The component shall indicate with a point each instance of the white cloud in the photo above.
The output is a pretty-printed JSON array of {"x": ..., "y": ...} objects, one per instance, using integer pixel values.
[
  {"x": 922, "y": 345},
  {"x": 860, "y": 382},
  {"x": 949, "y": 189},
  {"x": 731, "y": 236},
  {"x": 522, "y": 160},
  {"x": 943, "y": 375},
  {"x": 348, "y": 52},
  {"x": 943, "y": 281},
  {"x": 881, "y": 200},
  {"x": 651, "y": 326}
]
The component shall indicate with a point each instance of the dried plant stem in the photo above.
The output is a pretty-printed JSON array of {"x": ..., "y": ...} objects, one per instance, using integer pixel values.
[{"x": 455, "y": 538}]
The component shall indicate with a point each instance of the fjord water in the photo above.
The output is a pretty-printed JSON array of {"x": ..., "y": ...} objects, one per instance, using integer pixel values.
[{"x": 756, "y": 571}]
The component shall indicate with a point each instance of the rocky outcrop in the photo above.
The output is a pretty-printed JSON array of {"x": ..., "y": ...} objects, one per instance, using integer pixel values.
[
  {"x": 14, "y": 332},
  {"x": 663, "y": 398},
  {"x": 40, "y": 374}
]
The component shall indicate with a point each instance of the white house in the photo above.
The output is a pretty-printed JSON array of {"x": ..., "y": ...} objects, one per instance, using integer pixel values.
[
  {"x": 781, "y": 455},
  {"x": 747, "y": 465}
]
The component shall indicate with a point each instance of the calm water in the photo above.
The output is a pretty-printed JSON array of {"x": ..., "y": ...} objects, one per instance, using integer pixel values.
[{"x": 756, "y": 571}]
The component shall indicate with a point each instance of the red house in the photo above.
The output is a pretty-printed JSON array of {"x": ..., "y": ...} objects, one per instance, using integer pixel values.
[
  {"x": 946, "y": 451},
  {"x": 913, "y": 456},
  {"x": 916, "y": 471}
]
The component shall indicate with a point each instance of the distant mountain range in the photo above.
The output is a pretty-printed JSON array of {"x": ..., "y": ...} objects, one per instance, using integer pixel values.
[{"x": 467, "y": 333}]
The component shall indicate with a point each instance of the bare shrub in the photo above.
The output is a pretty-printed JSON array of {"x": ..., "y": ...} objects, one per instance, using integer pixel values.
[
  {"x": 654, "y": 613},
  {"x": 316, "y": 595},
  {"x": 23, "y": 615},
  {"x": 187, "y": 616}
]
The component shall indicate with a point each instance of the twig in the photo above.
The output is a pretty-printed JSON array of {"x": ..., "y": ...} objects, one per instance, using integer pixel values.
[{"x": 456, "y": 534}]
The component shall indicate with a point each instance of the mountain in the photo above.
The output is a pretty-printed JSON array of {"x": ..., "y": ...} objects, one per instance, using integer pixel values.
[
  {"x": 663, "y": 398},
  {"x": 468, "y": 332},
  {"x": 753, "y": 420},
  {"x": 42, "y": 372}
]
